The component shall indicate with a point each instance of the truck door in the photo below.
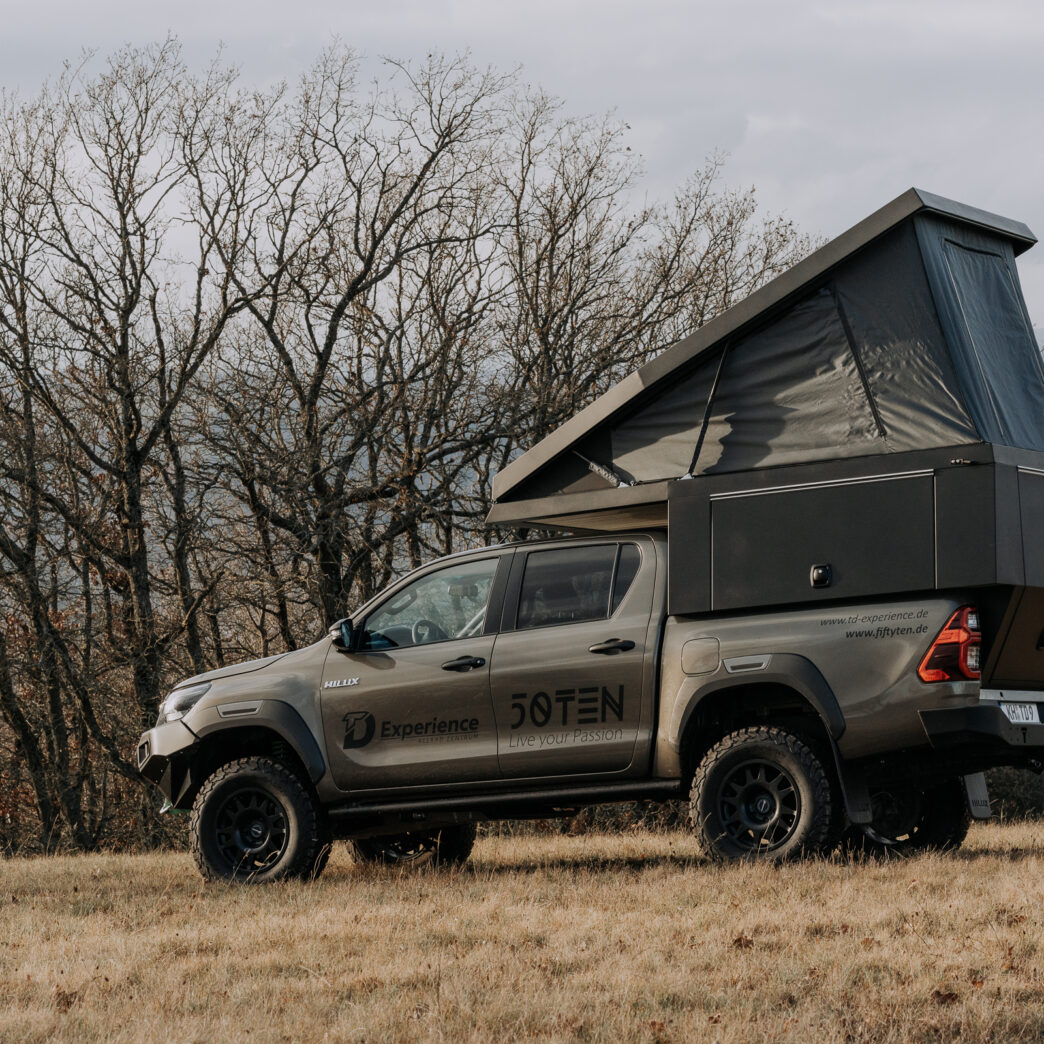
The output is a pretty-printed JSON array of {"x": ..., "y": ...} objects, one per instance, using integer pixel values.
[
  {"x": 411, "y": 706},
  {"x": 570, "y": 663}
]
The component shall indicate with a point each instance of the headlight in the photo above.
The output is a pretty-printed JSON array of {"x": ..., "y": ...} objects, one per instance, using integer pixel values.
[{"x": 180, "y": 701}]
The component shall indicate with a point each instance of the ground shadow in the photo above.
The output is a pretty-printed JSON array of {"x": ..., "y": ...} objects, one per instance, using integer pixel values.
[
  {"x": 531, "y": 866},
  {"x": 591, "y": 863},
  {"x": 1010, "y": 855}
]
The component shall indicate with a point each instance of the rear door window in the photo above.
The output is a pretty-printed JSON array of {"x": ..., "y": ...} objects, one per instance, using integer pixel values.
[
  {"x": 572, "y": 584},
  {"x": 626, "y": 570}
]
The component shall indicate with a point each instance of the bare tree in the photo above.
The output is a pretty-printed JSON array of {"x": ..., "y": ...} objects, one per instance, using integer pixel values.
[
  {"x": 264, "y": 350},
  {"x": 370, "y": 191},
  {"x": 598, "y": 285}
]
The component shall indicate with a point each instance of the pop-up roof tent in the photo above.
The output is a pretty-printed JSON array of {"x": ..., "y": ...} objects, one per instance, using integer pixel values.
[{"x": 834, "y": 417}]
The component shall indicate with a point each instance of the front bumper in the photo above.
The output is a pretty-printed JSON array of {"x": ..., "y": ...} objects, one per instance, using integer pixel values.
[
  {"x": 157, "y": 750},
  {"x": 984, "y": 729}
]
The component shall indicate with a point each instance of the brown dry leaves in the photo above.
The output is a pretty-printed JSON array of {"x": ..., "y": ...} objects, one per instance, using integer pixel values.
[{"x": 600, "y": 938}]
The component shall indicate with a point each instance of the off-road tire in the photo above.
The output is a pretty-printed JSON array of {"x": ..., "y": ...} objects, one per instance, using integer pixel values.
[
  {"x": 763, "y": 794},
  {"x": 255, "y": 821},
  {"x": 939, "y": 822},
  {"x": 450, "y": 846}
]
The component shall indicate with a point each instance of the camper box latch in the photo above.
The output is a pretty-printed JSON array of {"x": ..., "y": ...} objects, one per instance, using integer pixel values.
[{"x": 821, "y": 575}]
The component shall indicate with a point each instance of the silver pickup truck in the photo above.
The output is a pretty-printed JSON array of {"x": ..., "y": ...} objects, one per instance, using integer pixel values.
[{"x": 532, "y": 680}]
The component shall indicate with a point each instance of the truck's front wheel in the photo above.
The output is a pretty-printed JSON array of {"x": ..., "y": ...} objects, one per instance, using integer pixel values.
[
  {"x": 761, "y": 793},
  {"x": 254, "y": 820}
]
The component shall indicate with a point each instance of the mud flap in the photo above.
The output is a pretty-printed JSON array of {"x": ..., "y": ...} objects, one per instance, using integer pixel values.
[
  {"x": 978, "y": 796},
  {"x": 854, "y": 790}
]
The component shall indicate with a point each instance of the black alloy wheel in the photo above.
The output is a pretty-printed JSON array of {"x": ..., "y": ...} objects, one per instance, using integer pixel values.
[
  {"x": 255, "y": 820},
  {"x": 910, "y": 819},
  {"x": 759, "y": 806},
  {"x": 762, "y": 793},
  {"x": 896, "y": 815},
  {"x": 450, "y": 846},
  {"x": 251, "y": 830}
]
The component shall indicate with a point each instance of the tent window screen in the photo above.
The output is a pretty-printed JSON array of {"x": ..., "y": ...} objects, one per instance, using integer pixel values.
[{"x": 1000, "y": 357}]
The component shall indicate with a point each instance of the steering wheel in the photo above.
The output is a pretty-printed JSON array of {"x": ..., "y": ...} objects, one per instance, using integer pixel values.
[{"x": 425, "y": 630}]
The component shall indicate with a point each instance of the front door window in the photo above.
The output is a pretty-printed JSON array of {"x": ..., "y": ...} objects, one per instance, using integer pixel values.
[{"x": 438, "y": 607}]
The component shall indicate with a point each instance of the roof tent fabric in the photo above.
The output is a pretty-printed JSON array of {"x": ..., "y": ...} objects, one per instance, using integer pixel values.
[
  {"x": 658, "y": 441},
  {"x": 884, "y": 294},
  {"x": 975, "y": 283},
  {"x": 859, "y": 366},
  {"x": 790, "y": 392},
  {"x": 908, "y": 332}
]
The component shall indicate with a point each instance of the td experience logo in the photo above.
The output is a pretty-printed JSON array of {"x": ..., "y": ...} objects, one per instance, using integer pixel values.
[{"x": 359, "y": 727}]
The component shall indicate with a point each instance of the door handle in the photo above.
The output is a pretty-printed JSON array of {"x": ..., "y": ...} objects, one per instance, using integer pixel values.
[
  {"x": 614, "y": 645},
  {"x": 464, "y": 663}
]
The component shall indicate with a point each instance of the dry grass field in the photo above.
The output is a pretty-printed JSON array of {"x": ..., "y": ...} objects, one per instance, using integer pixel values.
[{"x": 598, "y": 937}]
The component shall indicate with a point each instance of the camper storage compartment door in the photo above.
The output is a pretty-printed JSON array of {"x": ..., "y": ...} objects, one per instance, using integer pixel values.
[{"x": 865, "y": 536}]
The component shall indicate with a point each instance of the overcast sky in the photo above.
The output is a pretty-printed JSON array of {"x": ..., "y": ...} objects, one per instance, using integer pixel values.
[{"x": 829, "y": 109}]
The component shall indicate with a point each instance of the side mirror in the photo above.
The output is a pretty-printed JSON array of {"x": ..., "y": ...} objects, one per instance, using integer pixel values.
[{"x": 343, "y": 635}]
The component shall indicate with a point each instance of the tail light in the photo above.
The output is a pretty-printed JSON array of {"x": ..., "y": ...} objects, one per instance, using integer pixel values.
[{"x": 954, "y": 655}]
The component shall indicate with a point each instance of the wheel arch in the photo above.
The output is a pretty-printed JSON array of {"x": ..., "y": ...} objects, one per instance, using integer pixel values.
[
  {"x": 275, "y": 731},
  {"x": 789, "y": 691}
]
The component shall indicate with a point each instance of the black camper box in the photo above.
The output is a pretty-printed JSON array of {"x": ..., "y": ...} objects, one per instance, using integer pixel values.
[{"x": 870, "y": 423}]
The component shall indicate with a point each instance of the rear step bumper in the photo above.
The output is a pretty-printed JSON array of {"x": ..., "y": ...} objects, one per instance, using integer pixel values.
[{"x": 983, "y": 729}]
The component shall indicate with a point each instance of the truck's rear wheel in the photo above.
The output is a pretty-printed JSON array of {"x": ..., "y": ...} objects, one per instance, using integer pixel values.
[
  {"x": 254, "y": 820},
  {"x": 910, "y": 819},
  {"x": 761, "y": 793},
  {"x": 449, "y": 846}
]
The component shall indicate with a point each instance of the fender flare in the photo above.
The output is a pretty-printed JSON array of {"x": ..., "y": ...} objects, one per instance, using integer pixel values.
[
  {"x": 800, "y": 674},
  {"x": 785, "y": 669},
  {"x": 274, "y": 715}
]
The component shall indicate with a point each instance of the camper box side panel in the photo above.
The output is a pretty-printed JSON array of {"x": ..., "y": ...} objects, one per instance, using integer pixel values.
[
  {"x": 847, "y": 539},
  {"x": 689, "y": 546},
  {"x": 909, "y": 522},
  {"x": 1014, "y": 615},
  {"x": 966, "y": 525},
  {"x": 1030, "y": 485}
]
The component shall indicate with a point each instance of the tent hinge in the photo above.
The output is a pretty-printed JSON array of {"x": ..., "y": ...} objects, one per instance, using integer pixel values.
[{"x": 604, "y": 471}]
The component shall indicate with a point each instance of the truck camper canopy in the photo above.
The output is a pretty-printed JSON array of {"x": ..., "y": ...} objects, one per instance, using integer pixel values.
[
  {"x": 908, "y": 332},
  {"x": 870, "y": 423}
]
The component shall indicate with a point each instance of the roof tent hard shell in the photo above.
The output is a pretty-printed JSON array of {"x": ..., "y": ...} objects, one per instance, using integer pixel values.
[{"x": 907, "y": 333}]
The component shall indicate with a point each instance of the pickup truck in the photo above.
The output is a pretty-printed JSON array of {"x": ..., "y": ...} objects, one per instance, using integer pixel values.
[{"x": 533, "y": 679}]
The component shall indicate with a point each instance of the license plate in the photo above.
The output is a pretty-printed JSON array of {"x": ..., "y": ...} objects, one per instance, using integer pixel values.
[{"x": 1021, "y": 713}]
